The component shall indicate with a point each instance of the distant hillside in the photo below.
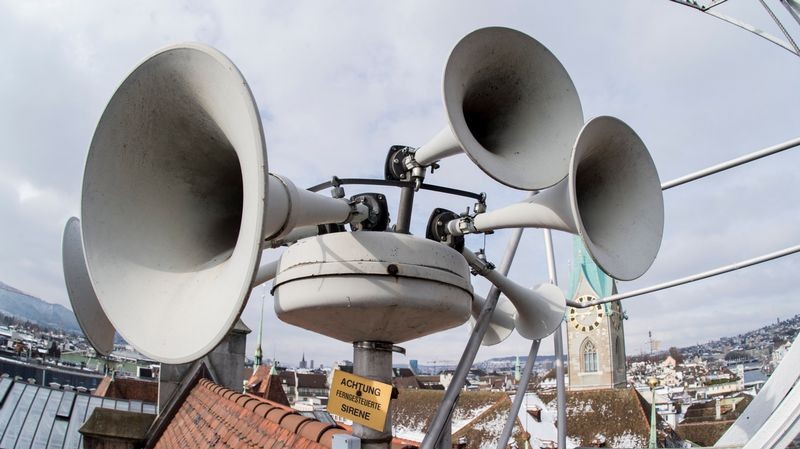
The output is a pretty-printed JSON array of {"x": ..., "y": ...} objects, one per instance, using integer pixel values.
[
  {"x": 522, "y": 359},
  {"x": 26, "y": 307}
]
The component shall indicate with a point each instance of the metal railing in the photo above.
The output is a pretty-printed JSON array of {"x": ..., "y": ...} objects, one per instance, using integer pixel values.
[{"x": 448, "y": 404}]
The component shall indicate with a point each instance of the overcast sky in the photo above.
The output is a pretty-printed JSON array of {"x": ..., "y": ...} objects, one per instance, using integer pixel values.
[{"x": 337, "y": 83}]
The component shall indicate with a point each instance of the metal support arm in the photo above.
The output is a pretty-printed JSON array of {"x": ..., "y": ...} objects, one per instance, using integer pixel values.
[{"x": 445, "y": 411}]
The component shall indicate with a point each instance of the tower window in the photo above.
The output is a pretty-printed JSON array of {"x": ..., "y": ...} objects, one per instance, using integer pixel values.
[{"x": 589, "y": 357}]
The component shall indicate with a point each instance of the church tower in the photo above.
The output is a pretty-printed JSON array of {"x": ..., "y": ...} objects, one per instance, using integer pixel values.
[{"x": 595, "y": 335}]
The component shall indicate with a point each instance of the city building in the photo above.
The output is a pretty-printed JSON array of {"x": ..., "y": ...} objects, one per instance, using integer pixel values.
[
  {"x": 303, "y": 387},
  {"x": 303, "y": 364},
  {"x": 595, "y": 335}
]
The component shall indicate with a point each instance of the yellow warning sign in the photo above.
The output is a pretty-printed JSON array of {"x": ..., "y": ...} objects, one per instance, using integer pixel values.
[{"x": 364, "y": 401}]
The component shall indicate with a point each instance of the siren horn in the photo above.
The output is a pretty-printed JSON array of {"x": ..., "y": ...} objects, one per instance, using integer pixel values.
[
  {"x": 539, "y": 310},
  {"x": 93, "y": 321},
  {"x": 501, "y": 324},
  {"x": 612, "y": 198},
  {"x": 511, "y": 107},
  {"x": 177, "y": 203}
]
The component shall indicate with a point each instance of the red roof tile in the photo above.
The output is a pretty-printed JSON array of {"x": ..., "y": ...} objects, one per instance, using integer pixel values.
[
  {"x": 293, "y": 422},
  {"x": 313, "y": 430},
  {"x": 216, "y": 417},
  {"x": 262, "y": 384}
]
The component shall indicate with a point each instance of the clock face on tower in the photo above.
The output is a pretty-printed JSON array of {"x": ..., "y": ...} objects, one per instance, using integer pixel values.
[{"x": 588, "y": 319}]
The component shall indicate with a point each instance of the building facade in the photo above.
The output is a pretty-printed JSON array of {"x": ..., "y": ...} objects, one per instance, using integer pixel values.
[{"x": 595, "y": 335}]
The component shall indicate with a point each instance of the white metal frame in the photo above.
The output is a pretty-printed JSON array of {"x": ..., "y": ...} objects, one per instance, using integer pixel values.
[{"x": 771, "y": 420}]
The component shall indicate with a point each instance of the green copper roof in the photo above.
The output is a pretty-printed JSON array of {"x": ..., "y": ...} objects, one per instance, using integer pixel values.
[{"x": 583, "y": 265}]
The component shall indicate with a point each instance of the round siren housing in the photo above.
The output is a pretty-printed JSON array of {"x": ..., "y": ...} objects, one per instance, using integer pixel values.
[{"x": 372, "y": 286}]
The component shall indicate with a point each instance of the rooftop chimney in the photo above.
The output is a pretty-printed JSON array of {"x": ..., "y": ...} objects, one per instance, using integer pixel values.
[{"x": 225, "y": 362}]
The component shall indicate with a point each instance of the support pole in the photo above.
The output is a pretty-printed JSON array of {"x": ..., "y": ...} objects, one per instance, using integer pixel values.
[
  {"x": 404, "y": 210},
  {"x": 523, "y": 384},
  {"x": 781, "y": 27},
  {"x": 446, "y": 440},
  {"x": 445, "y": 410},
  {"x": 732, "y": 163},
  {"x": 653, "y": 383},
  {"x": 373, "y": 360},
  {"x": 558, "y": 343},
  {"x": 561, "y": 391},
  {"x": 653, "y": 440},
  {"x": 693, "y": 278},
  {"x": 794, "y": 9}
]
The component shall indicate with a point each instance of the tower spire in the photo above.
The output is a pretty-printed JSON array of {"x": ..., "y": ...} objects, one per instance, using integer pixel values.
[{"x": 258, "y": 355}]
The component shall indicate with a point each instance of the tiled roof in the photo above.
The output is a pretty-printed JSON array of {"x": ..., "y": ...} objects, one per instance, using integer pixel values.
[
  {"x": 128, "y": 388},
  {"x": 402, "y": 372},
  {"x": 214, "y": 417},
  {"x": 405, "y": 378},
  {"x": 700, "y": 425},
  {"x": 706, "y": 411},
  {"x": 33, "y": 416},
  {"x": 306, "y": 380},
  {"x": 618, "y": 415},
  {"x": 267, "y": 386},
  {"x": 703, "y": 433},
  {"x": 479, "y": 415},
  {"x": 429, "y": 379},
  {"x": 487, "y": 426},
  {"x": 406, "y": 382}
]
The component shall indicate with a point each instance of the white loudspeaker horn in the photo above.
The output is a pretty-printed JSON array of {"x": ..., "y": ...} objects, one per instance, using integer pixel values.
[
  {"x": 511, "y": 107},
  {"x": 612, "y": 198},
  {"x": 93, "y": 321},
  {"x": 501, "y": 324},
  {"x": 178, "y": 202},
  {"x": 539, "y": 310}
]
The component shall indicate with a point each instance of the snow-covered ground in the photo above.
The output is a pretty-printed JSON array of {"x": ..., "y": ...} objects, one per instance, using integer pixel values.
[
  {"x": 408, "y": 434},
  {"x": 544, "y": 434},
  {"x": 541, "y": 432},
  {"x": 461, "y": 417}
]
